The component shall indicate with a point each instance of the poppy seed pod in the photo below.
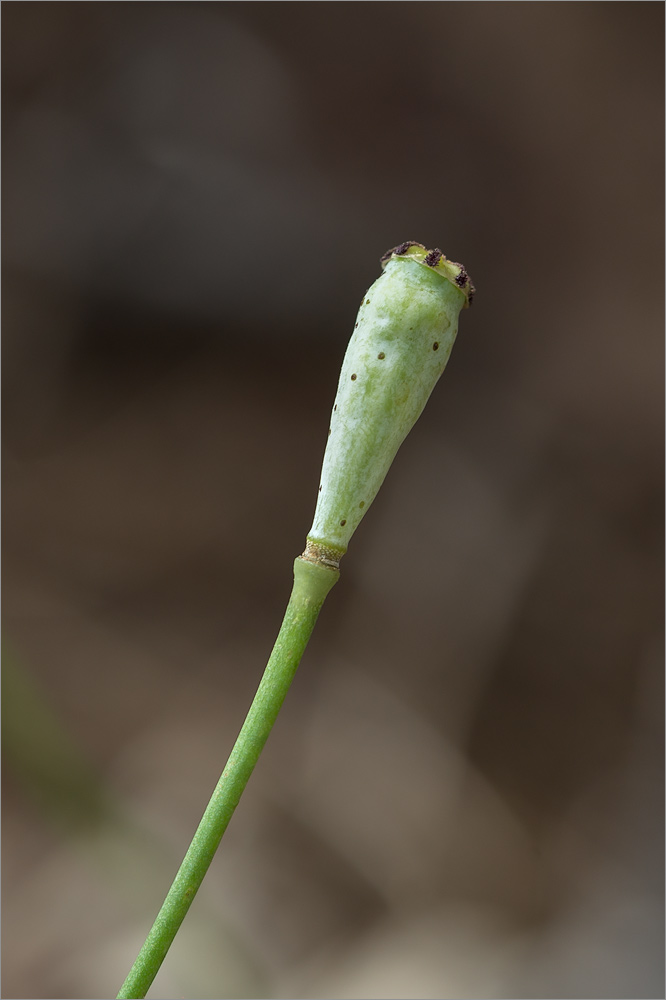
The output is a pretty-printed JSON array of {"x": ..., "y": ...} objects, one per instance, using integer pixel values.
[{"x": 402, "y": 340}]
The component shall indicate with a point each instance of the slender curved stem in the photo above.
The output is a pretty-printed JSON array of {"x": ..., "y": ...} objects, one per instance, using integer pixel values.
[{"x": 312, "y": 583}]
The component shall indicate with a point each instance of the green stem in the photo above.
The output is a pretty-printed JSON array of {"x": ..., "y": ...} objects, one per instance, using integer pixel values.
[{"x": 312, "y": 582}]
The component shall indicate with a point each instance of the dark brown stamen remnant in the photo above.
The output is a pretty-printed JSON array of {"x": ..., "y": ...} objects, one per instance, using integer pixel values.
[
  {"x": 433, "y": 258},
  {"x": 399, "y": 251}
]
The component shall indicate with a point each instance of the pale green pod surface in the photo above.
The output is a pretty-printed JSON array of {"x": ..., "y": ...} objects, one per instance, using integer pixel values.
[{"x": 404, "y": 333}]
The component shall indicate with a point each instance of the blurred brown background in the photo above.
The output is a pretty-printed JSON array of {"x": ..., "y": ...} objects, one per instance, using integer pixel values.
[{"x": 463, "y": 796}]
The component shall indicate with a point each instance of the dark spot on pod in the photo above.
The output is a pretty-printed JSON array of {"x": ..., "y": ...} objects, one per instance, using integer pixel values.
[
  {"x": 367, "y": 302},
  {"x": 353, "y": 378},
  {"x": 356, "y": 327},
  {"x": 435, "y": 346},
  {"x": 329, "y": 431},
  {"x": 461, "y": 279},
  {"x": 342, "y": 523},
  {"x": 433, "y": 258},
  {"x": 381, "y": 356},
  {"x": 335, "y": 407},
  {"x": 362, "y": 503},
  {"x": 320, "y": 489}
]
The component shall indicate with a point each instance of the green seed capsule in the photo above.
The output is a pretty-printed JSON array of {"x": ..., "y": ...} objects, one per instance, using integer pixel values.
[{"x": 404, "y": 333}]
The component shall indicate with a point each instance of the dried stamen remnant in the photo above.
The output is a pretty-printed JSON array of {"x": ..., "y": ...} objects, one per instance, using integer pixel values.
[
  {"x": 433, "y": 258},
  {"x": 322, "y": 555},
  {"x": 398, "y": 251}
]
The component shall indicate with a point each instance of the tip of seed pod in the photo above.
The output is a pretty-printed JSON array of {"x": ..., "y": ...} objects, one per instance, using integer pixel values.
[
  {"x": 436, "y": 261},
  {"x": 399, "y": 251}
]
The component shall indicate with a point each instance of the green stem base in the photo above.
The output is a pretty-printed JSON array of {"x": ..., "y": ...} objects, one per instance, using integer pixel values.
[{"x": 312, "y": 583}]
